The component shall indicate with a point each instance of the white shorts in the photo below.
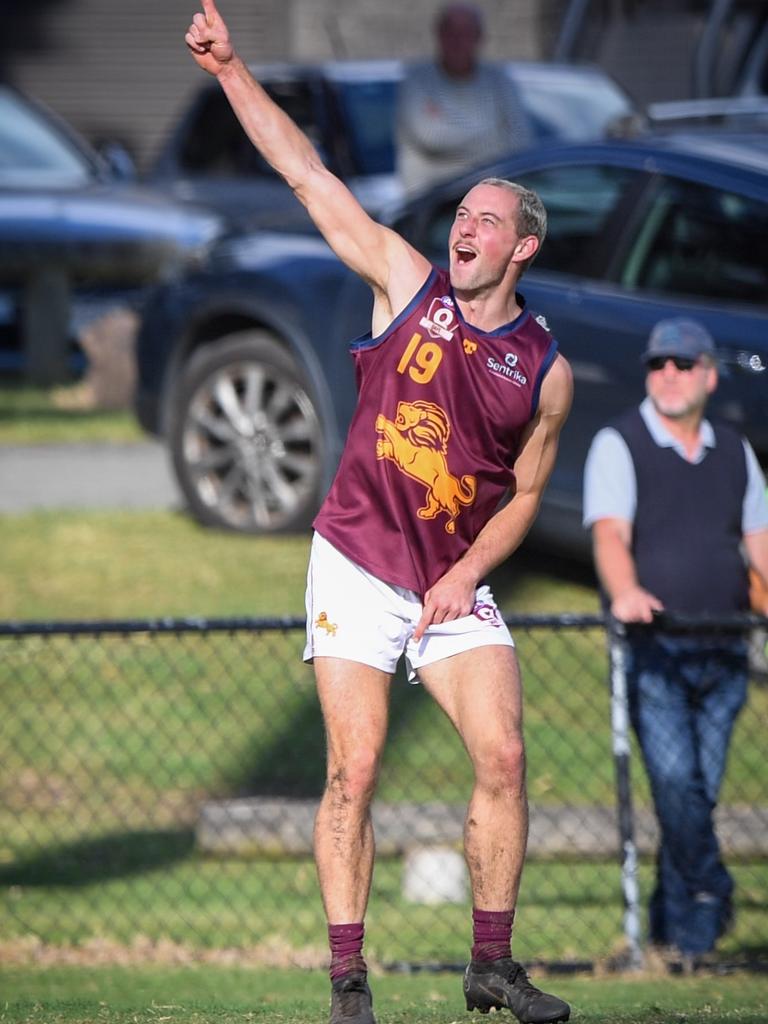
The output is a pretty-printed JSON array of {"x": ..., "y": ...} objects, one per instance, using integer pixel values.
[{"x": 354, "y": 615}]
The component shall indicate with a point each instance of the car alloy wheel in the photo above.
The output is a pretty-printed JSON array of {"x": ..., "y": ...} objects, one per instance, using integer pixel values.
[{"x": 246, "y": 440}]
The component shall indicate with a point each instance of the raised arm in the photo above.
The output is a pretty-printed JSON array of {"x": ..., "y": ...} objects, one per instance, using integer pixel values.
[
  {"x": 380, "y": 256},
  {"x": 454, "y": 594}
]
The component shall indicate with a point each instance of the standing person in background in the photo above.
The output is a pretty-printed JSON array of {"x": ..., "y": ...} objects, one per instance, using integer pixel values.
[
  {"x": 462, "y": 396},
  {"x": 675, "y": 503},
  {"x": 456, "y": 112}
]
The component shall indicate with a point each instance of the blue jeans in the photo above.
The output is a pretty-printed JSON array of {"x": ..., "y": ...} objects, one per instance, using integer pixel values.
[{"x": 684, "y": 696}]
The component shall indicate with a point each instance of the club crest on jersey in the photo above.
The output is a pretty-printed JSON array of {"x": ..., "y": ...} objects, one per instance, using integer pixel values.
[
  {"x": 440, "y": 319},
  {"x": 416, "y": 441},
  {"x": 508, "y": 369}
]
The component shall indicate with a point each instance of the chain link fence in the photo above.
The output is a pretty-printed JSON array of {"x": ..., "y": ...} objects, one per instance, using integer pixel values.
[{"x": 159, "y": 780}]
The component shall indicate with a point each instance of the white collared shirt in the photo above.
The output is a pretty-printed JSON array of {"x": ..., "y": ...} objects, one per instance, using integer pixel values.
[{"x": 610, "y": 487}]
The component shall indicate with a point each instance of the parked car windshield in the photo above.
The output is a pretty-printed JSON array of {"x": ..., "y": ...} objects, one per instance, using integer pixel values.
[
  {"x": 569, "y": 106},
  {"x": 32, "y": 154},
  {"x": 215, "y": 143}
]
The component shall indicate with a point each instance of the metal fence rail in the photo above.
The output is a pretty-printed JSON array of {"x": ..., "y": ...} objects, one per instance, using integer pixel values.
[{"x": 159, "y": 780}]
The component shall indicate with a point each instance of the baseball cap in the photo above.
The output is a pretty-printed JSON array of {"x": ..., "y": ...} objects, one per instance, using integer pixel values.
[{"x": 679, "y": 337}]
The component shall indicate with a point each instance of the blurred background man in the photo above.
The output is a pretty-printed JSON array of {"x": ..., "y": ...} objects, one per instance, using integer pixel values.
[{"x": 456, "y": 112}]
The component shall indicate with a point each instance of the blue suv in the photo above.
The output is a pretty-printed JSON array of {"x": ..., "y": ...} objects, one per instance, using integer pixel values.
[{"x": 243, "y": 366}]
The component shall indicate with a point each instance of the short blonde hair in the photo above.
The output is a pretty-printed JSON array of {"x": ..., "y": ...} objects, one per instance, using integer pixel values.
[{"x": 531, "y": 213}]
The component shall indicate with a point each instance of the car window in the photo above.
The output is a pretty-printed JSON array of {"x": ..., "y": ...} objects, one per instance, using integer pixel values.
[
  {"x": 367, "y": 110},
  {"x": 702, "y": 241},
  {"x": 215, "y": 143},
  {"x": 579, "y": 202},
  {"x": 32, "y": 153}
]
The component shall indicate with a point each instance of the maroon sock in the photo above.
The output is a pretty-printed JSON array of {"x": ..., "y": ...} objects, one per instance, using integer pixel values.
[
  {"x": 346, "y": 941},
  {"x": 492, "y": 934}
]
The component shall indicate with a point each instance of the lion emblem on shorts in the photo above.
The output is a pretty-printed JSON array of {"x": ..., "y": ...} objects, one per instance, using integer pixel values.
[
  {"x": 417, "y": 442},
  {"x": 323, "y": 622}
]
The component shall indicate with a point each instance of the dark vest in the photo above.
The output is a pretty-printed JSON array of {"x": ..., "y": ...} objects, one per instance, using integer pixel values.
[{"x": 688, "y": 524}]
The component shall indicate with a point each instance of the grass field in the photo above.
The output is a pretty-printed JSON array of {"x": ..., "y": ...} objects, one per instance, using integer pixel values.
[
  {"x": 111, "y": 744},
  {"x": 108, "y": 746},
  {"x": 193, "y": 995},
  {"x": 35, "y": 416},
  {"x": 122, "y": 564},
  {"x": 114, "y": 741},
  {"x": 142, "y": 564}
]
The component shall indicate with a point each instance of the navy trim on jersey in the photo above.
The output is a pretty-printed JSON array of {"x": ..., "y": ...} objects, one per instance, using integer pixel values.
[
  {"x": 368, "y": 341},
  {"x": 497, "y": 331},
  {"x": 546, "y": 362}
]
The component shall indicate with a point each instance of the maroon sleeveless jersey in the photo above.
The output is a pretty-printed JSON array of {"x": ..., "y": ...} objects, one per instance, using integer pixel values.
[{"x": 442, "y": 407}]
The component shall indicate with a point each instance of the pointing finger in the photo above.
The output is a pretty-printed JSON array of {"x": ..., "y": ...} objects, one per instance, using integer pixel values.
[{"x": 209, "y": 9}]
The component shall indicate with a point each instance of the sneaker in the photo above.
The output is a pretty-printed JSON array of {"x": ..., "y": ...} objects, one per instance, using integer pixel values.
[
  {"x": 495, "y": 984},
  {"x": 351, "y": 1000}
]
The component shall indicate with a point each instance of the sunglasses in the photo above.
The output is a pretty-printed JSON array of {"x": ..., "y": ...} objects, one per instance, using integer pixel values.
[{"x": 680, "y": 362}]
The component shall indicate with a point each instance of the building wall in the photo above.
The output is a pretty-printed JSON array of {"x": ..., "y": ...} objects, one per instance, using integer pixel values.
[
  {"x": 515, "y": 29},
  {"x": 651, "y": 57},
  {"x": 118, "y": 70}
]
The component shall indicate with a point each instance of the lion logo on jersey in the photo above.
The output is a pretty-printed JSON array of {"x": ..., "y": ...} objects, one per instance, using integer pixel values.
[{"x": 417, "y": 442}]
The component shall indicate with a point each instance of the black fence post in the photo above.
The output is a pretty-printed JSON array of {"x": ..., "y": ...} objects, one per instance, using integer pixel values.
[{"x": 45, "y": 325}]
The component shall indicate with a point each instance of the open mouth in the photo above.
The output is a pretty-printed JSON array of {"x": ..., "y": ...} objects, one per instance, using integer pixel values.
[{"x": 464, "y": 255}]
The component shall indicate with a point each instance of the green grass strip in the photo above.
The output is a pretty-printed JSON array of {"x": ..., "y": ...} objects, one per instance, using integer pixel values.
[{"x": 202, "y": 993}]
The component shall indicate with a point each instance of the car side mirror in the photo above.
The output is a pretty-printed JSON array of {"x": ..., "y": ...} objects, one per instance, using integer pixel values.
[{"x": 119, "y": 161}]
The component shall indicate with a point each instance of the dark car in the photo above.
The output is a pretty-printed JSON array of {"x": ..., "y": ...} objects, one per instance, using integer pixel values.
[
  {"x": 348, "y": 110},
  {"x": 244, "y": 367},
  {"x": 75, "y": 239}
]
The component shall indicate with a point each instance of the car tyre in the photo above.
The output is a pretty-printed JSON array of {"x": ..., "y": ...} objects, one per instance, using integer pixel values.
[{"x": 246, "y": 439}]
